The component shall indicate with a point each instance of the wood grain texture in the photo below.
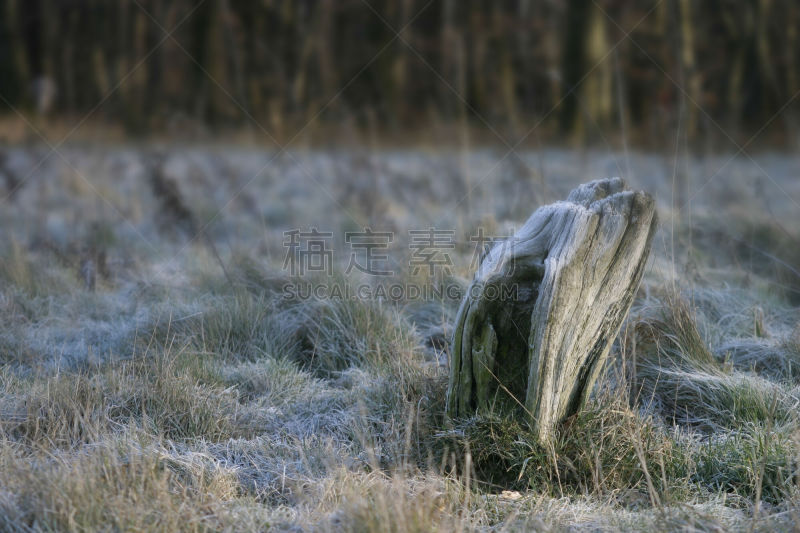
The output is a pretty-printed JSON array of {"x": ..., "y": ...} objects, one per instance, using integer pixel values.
[{"x": 569, "y": 276}]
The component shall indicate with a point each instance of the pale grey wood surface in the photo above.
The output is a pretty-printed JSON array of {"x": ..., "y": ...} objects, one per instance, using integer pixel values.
[{"x": 572, "y": 271}]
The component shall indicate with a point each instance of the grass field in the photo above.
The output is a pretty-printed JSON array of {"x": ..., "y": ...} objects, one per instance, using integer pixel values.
[{"x": 155, "y": 376}]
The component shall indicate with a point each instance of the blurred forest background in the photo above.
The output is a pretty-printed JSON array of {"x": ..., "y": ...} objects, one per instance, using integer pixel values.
[{"x": 579, "y": 69}]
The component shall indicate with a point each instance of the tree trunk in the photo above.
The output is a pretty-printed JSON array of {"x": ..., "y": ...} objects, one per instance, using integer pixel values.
[{"x": 544, "y": 306}]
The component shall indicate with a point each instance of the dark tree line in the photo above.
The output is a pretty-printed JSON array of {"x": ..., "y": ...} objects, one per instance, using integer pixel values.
[{"x": 511, "y": 63}]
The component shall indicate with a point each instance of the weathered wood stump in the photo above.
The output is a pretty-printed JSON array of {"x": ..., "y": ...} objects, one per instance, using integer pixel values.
[{"x": 571, "y": 271}]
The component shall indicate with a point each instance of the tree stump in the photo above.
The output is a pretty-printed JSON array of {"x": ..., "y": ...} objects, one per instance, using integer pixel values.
[{"x": 544, "y": 307}]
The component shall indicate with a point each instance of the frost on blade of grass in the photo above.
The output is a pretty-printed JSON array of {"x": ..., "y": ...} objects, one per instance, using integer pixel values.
[
  {"x": 761, "y": 245},
  {"x": 744, "y": 462},
  {"x": 406, "y": 502},
  {"x": 33, "y": 275},
  {"x": 677, "y": 374},
  {"x": 340, "y": 334},
  {"x": 72, "y": 408},
  {"x": 723, "y": 313},
  {"x": 231, "y": 327},
  {"x": 612, "y": 451},
  {"x": 63, "y": 328},
  {"x": 777, "y": 361},
  {"x": 394, "y": 417},
  {"x": 605, "y": 449},
  {"x": 399, "y": 503},
  {"x": 434, "y": 321},
  {"x": 174, "y": 398},
  {"x": 276, "y": 381},
  {"x": 121, "y": 486}
]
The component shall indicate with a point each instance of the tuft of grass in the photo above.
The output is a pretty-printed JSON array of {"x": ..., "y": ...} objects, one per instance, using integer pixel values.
[
  {"x": 746, "y": 463},
  {"x": 342, "y": 333},
  {"x": 174, "y": 403},
  {"x": 59, "y": 411},
  {"x": 121, "y": 487},
  {"x": 32, "y": 276},
  {"x": 676, "y": 373},
  {"x": 253, "y": 277},
  {"x": 397, "y": 504},
  {"x": 605, "y": 449},
  {"x": 72, "y": 408},
  {"x": 233, "y": 327},
  {"x": 611, "y": 451},
  {"x": 13, "y": 348},
  {"x": 776, "y": 361},
  {"x": 397, "y": 416},
  {"x": 759, "y": 245},
  {"x": 278, "y": 382}
]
